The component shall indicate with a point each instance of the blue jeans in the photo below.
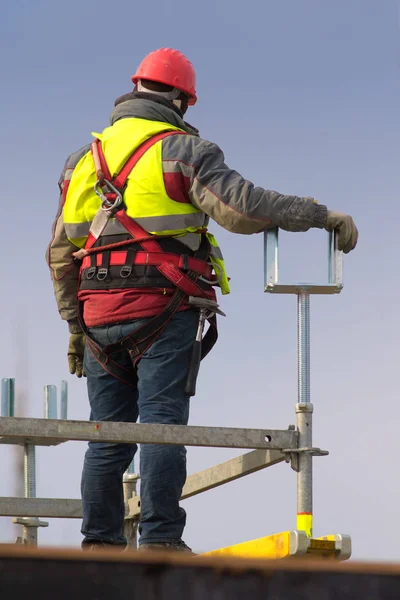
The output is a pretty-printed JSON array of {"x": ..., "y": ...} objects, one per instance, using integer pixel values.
[{"x": 158, "y": 398}]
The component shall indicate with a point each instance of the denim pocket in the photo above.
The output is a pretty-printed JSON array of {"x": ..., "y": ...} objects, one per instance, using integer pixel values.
[{"x": 178, "y": 334}]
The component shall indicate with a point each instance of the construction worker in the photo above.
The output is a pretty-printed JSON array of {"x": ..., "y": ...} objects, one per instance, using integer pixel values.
[{"x": 150, "y": 177}]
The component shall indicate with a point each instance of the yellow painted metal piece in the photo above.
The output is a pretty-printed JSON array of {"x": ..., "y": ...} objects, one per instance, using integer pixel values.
[
  {"x": 289, "y": 544},
  {"x": 305, "y": 523},
  {"x": 270, "y": 547},
  {"x": 331, "y": 537},
  {"x": 342, "y": 544},
  {"x": 323, "y": 548}
]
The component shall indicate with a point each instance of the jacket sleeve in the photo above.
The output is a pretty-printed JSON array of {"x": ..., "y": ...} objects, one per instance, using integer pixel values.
[
  {"x": 63, "y": 270},
  {"x": 231, "y": 200}
]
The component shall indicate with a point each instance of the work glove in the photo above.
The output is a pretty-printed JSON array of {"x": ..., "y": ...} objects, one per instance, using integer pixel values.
[
  {"x": 345, "y": 226},
  {"x": 76, "y": 349}
]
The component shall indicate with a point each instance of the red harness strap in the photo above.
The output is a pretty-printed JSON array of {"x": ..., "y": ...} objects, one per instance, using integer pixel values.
[{"x": 137, "y": 231}]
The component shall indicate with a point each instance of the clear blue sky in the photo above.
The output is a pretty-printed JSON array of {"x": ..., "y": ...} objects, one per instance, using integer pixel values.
[{"x": 303, "y": 96}]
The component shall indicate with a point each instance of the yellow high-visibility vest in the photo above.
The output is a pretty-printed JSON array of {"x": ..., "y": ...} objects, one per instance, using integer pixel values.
[{"x": 145, "y": 197}]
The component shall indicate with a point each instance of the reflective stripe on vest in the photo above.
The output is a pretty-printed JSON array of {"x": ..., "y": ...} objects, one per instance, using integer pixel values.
[{"x": 161, "y": 225}]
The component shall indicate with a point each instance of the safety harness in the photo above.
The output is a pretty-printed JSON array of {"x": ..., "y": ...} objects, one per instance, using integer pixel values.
[{"x": 183, "y": 271}]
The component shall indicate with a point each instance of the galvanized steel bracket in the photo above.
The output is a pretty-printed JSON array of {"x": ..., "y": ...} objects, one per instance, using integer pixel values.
[
  {"x": 292, "y": 456},
  {"x": 271, "y": 269}
]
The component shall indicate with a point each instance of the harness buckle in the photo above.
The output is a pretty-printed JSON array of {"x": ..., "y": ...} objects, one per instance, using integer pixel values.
[
  {"x": 91, "y": 272},
  {"x": 102, "y": 273},
  {"x": 125, "y": 271}
]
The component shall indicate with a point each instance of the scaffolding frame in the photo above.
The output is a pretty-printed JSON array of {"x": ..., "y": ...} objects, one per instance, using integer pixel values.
[{"x": 269, "y": 446}]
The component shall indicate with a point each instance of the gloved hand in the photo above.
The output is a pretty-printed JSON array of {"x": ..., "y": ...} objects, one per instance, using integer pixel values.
[
  {"x": 345, "y": 226},
  {"x": 76, "y": 350}
]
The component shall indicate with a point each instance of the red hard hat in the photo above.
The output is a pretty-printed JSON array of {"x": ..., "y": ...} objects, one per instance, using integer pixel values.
[{"x": 170, "y": 67}]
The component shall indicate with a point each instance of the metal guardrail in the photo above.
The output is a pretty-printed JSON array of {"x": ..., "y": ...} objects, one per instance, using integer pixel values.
[{"x": 50, "y": 432}]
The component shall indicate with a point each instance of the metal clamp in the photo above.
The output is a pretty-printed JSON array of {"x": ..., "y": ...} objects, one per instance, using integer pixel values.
[
  {"x": 29, "y": 530},
  {"x": 30, "y": 522},
  {"x": 271, "y": 271},
  {"x": 292, "y": 455}
]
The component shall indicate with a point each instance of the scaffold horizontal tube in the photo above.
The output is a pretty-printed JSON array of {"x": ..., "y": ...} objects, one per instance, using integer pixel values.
[{"x": 53, "y": 431}]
